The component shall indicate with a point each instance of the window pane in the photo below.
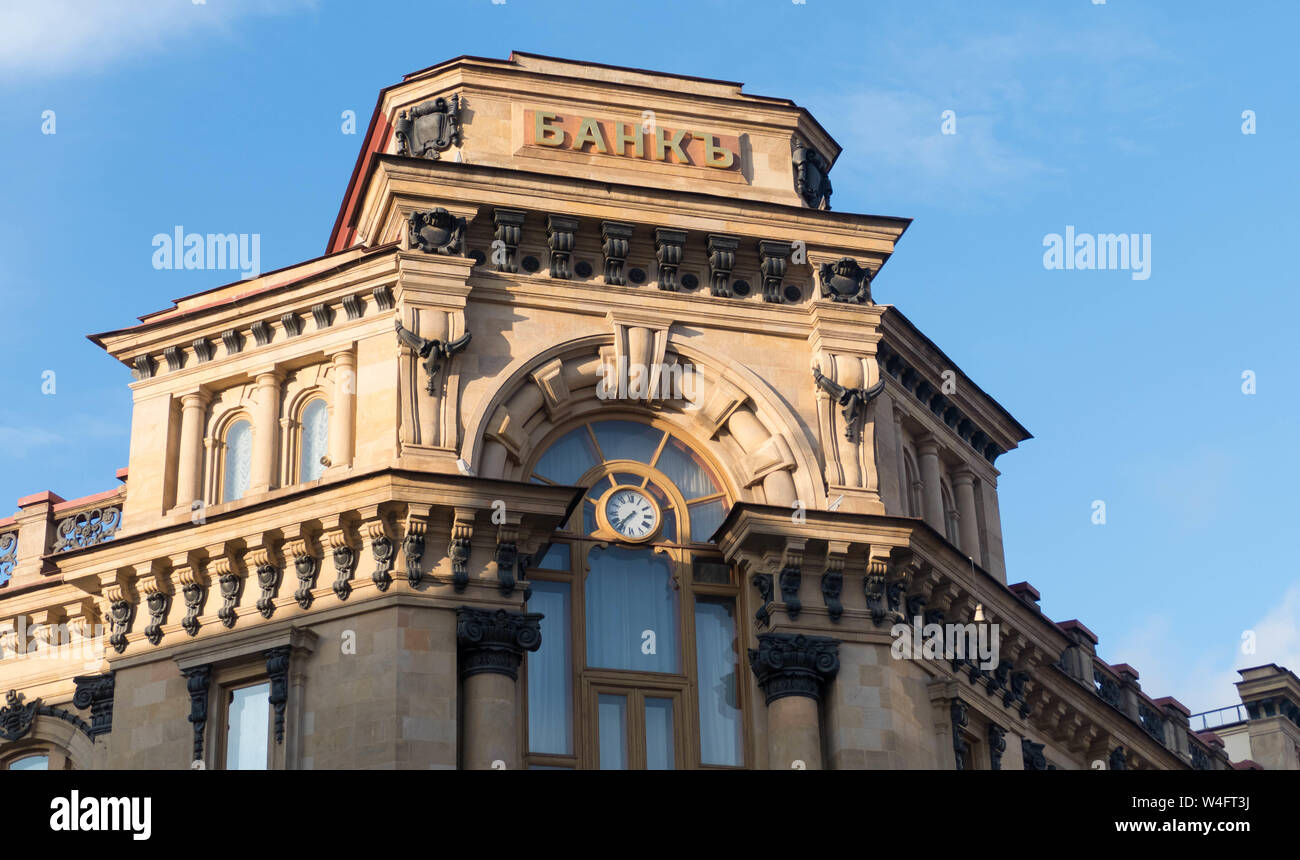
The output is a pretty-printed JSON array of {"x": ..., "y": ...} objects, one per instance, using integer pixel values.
[
  {"x": 239, "y": 461},
  {"x": 712, "y": 571},
  {"x": 566, "y": 460},
  {"x": 685, "y": 469},
  {"x": 556, "y": 558},
  {"x": 659, "y": 734},
  {"x": 715, "y": 647},
  {"x": 31, "y": 762},
  {"x": 248, "y": 727},
  {"x": 627, "y": 440},
  {"x": 550, "y": 697},
  {"x": 631, "y": 611},
  {"x": 315, "y": 440},
  {"x": 705, "y": 519},
  {"x": 612, "y": 715}
]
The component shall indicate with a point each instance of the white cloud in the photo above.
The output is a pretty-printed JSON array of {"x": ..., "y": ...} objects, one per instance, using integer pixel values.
[
  {"x": 54, "y": 36},
  {"x": 1205, "y": 681},
  {"x": 16, "y": 442}
]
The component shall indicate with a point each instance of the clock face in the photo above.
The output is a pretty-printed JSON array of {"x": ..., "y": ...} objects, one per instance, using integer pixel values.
[{"x": 631, "y": 513}]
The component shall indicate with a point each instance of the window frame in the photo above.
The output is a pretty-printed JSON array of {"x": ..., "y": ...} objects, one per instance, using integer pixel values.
[{"x": 586, "y": 683}]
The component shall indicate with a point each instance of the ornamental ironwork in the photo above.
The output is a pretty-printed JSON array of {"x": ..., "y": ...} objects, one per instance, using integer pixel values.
[
  {"x": 8, "y": 554},
  {"x": 87, "y": 528}
]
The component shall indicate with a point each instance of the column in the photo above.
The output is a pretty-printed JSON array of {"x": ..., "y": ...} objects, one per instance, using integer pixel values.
[
  {"x": 343, "y": 420},
  {"x": 793, "y": 671},
  {"x": 904, "y": 485},
  {"x": 266, "y": 431},
  {"x": 927, "y": 447},
  {"x": 963, "y": 484},
  {"x": 491, "y": 645},
  {"x": 189, "y": 464}
]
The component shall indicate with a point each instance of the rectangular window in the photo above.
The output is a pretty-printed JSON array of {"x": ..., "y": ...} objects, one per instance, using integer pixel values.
[
  {"x": 612, "y": 716},
  {"x": 717, "y": 660},
  {"x": 550, "y": 690},
  {"x": 659, "y": 749},
  {"x": 248, "y": 727}
]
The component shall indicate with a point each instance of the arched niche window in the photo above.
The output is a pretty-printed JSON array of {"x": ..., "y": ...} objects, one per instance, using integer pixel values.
[
  {"x": 236, "y": 460},
  {"x": 640, "y": 661},
  {"x": 313, "y": 439},
  {"x": 912, "y": 485},
  {"x": 949, "y": 512}
]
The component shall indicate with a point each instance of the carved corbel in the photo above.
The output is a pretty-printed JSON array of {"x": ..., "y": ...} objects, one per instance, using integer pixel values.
[
  {"x": 156, "y": 587},
  {"x": 873, "y": 585},
  {"x": 267, "y": 561},
  {"x": 561, "y": 233},
  {"x": 791, "y": 577},
  {"x": 198, "y": 682},
  {"x": 340, "y": 540},
  {"x": 833, "y": 578},
  {"x": 722, "y": 259},
  {"x": 226, "y": 568},
  {"x": 763, "y": 582},
  {"x": 615, "y": 238},
  {"x": 462, "y": 531},
  {"x": 668, "y": 254},
  {"x": 306, "y": 553},
  {"x": 188, "y": 572},
  {"x": 772, "y": 265},
  {"x": 119, "y": 598},
  {"x": 508, "y": 230},
  {"x": 507, "y": 556},
  {"x": 413, "y": 547},
  {"x": 378, "y": 532}
]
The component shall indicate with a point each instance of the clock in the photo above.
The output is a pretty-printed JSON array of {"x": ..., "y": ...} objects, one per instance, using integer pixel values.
[{"x": 630, "y": 513}]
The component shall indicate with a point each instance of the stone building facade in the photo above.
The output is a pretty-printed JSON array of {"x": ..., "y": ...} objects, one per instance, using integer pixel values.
[{"x": 585, "y": 444}]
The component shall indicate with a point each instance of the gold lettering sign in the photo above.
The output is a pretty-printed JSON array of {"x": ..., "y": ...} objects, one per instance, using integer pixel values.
[{"x": 631, "y": 139}]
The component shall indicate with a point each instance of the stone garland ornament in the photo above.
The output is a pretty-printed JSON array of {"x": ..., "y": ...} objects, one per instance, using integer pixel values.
[
  {"x": 17, "y": 717},
  {"x": 997, "y": 745},
  {"x": 495, "y": 641},
  {"x": 854, "y": 400},
  {"x": 413, "y": 549},
  {"x": 277, "y": 672},
  {"x": 198, "y": 681},
  {"x": 763, "y": 582},
  {"x": 432, "y": 352},
  {"x": 437, "y": 232},
  {"x": 1033, "y": 753},
  {"x": 428, "y": 129},
  {"x": 789, "y": 580},
  {"x": 506, "y": 557},
  {"x": 959, "y": 722},
  {"x": 793, "y": 664},
  {"x": 845, "y": 281},
  {"x": 810, "y": 179}
]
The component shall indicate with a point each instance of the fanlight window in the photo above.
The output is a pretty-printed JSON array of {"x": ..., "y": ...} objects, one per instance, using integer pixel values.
[
  {"x": 315, "y": 440},
  {"x": 238, "y": 461},
  {"x": 639, "y": 664}
]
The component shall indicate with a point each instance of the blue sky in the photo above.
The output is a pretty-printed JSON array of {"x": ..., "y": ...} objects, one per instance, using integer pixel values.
[{"x": 1115, "y": 117}]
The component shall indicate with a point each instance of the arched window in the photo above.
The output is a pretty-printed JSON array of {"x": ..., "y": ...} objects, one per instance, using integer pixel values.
[
  {"x": 912, "y": 485},
  {"x": 949, "y": 513},
  {"x": 30, "y": 762},
  {"x": 237, "y": 461},
  {"x": 314, "y": 440},
  {"x": 639, "y": 664}
]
